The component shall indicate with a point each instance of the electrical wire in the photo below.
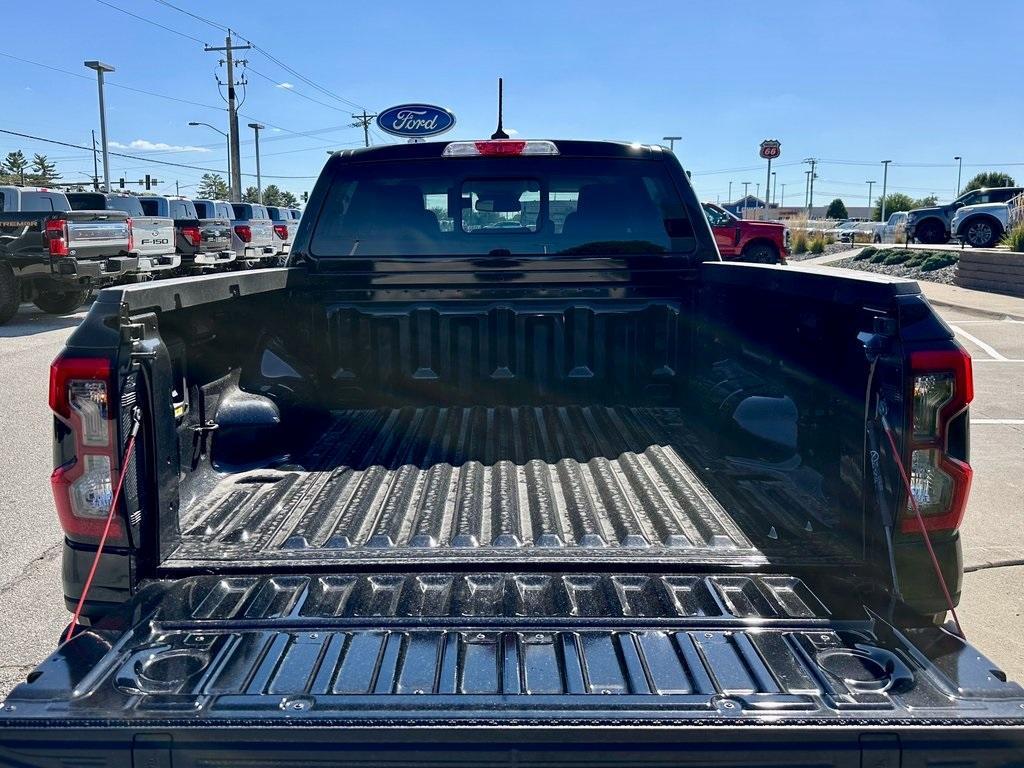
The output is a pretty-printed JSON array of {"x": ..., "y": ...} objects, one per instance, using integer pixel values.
[
  {"x": 150, "y": 21},
  {"x": 248, "y": 68}
]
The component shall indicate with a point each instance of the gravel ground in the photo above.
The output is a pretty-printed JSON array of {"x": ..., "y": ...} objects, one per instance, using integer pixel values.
[
  {"x": 944, "y": 275},
  {"x": 829, "y": 249}
]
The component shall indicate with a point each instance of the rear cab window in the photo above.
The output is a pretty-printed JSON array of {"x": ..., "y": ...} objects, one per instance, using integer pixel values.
[
  {"x": 87, "y": 201},
  {"x": 204, "y": 210},
  {"x": 242, "y": 211},
  {"x": 502, "y": 206},
  {"x": 183, "y": 209},
  {"x": 276, "y": 214},
  {"x": 130, "y": 205},
  {"x": 151, "y": 207}
]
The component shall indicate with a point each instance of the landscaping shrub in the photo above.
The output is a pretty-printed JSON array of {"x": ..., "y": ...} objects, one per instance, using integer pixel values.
[
  {"x": 897, "y": 257},
  {"x": 817, "y": 245},
  {"x": 799, "y": 242},
  {"x": 938, "y": 261},
  {"x": 865, "y": 253},
  {"x": 1014, "y": 239},
  {"x": 881, "y": 256}
]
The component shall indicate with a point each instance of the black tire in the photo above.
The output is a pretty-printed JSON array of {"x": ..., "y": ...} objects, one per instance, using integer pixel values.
[
  {"x": 981, "y": 232},
  {"x": 877, "y": 240},
  {"x": 9, "y": 298},
  {"x": 930, "y": 232},
  {"x": 761, "y": 253},
  {"x": 60, "y": 302}
]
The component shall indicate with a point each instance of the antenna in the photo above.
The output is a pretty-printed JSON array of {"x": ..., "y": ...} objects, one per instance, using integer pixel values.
[{"x": 500, "y": 133}]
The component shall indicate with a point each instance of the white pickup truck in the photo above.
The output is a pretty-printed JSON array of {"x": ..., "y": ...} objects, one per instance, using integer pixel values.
[
  {"x": 153, "y": 234},
  {"x": 980, "y": 226}
]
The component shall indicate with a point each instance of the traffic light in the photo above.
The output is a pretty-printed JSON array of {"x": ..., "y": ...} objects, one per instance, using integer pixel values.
[{"x": 121, "y": 182}]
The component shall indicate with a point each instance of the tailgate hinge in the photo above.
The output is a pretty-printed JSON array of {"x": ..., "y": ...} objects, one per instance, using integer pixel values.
[
  {"x": 151, "y": 750},
  {"x": 880, "y": 750}
]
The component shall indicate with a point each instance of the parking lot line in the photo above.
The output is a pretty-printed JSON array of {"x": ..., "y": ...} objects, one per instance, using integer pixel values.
[
  {"x": 997, "y": 421},
  {"x": 987, "y": 349}
]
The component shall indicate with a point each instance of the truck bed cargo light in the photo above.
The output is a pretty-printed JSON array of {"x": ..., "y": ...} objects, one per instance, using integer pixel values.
[{"x": 499, "y": 148}]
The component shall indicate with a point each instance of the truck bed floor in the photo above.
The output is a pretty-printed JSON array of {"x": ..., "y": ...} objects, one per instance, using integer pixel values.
[{"x": 491, "y": 484}]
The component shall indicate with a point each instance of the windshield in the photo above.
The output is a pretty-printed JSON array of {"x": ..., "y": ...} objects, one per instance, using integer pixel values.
[{"x": 484, "y": 206}]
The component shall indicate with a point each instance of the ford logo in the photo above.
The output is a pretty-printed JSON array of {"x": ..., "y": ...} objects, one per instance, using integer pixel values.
[{"x": 415, "y": 120}]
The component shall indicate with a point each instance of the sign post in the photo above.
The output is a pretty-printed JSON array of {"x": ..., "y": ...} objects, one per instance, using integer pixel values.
[{"x": 770, "y": 149}]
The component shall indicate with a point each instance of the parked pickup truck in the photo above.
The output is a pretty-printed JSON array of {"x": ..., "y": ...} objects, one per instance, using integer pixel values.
[
  {"x": 153, "y": 232},
  {"x": 932, "y": 225},
  {"x": 894, "y": 230},
  {"x": 568, "y": 492},
  {"x": 52, "y": 256},
  {"x": 215, "y": 233},
  {"x": 980, "y": 226},
  {"x": 760, "y": 242},
  {"x": 285, "y": 228},
  {"x": 200, "y": 242},
  {"x": 253, "y": 235}
]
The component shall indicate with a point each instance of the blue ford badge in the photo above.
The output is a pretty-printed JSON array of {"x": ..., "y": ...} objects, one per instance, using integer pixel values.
[{"x": 415, "y": 120}]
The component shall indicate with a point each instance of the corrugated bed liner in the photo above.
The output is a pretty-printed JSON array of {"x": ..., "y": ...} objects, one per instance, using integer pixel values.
[{"x": 505, "y": 484}]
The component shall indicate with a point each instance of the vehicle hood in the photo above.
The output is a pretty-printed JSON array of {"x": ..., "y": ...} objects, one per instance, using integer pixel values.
[
  {"x": 918, "y": 213},
  {"x": 994, "y": 208}
]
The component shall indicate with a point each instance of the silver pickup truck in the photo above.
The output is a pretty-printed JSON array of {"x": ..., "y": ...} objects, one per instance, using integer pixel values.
[
  {"x": 252, "y": 234},
  {"x": 153, "y": 234}
]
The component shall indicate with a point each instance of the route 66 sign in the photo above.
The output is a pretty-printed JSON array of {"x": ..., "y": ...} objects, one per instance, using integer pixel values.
[{"x": 771, "y": 149}]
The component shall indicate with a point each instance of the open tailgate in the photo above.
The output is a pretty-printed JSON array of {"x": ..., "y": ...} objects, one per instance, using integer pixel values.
[{"x": 529, "y": 668}]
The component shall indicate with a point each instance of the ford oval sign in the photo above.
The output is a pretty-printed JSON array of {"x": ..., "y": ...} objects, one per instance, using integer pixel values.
[{"x": 415, "y": 121}]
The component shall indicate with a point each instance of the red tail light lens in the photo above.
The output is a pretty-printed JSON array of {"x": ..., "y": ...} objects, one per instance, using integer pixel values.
[
  {"x": 56, "y": 234},
  {"x": 131, "y": 234},
  {"x": 940, "y": 480},
  {"x": 192, "y": 235},
  {"x": 80, "y": 392},
  {"x": 499, "y": 148},
  {"x": 244, "y": 232},
  {"x": 281, "y": 230}
]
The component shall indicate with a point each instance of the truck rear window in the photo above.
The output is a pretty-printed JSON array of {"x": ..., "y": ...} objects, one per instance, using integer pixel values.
[
  {"x": 498, "y": 206},
  {"x": 86, "y": 201}
]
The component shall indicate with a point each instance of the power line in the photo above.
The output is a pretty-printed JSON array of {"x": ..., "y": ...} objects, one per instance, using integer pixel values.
[
  {"x": 195, "y": 16},
  {"x": 150, "y": 21},
  {"x": 277, "y": 85}
]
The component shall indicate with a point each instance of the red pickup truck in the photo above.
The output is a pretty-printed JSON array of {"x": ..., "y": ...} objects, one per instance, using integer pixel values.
[{"x": 761, "y": 242}]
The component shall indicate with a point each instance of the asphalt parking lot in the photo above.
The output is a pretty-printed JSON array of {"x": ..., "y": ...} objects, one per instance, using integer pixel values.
[{"x": 992, "y": 609}]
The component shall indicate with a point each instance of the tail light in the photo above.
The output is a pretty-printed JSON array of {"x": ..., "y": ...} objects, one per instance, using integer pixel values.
[
  {"x": 83, "y": 485},
  {"x": 281, "y": 230},
  {"x": 193, "y": 235},
  {"x": 56, "y": 234},
  {"x": 499, "y": 148},
  {"x": 131, "y": 234},
  {"x": 940, "y": 477},
  {"x": 244, "y": 232}
]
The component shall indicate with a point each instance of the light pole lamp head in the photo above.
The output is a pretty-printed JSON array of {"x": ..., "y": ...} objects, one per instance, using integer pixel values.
[
  {"x": 257, "y": 126},
  {"x": 99, "y": 66},
  {"x": 957, "y": 157},
  {"x": 193, "y": 122}
]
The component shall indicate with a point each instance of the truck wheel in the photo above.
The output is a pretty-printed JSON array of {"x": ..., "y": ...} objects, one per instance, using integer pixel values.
[
  {"x": 761, "y": 253},
  {"x": 9, "y": 298},
  {"x": 931, "y": 232},
  {"x": 877, "y": 240},
  {"x": 60, "y": 302},
  {"x": 982, "y": 232}
]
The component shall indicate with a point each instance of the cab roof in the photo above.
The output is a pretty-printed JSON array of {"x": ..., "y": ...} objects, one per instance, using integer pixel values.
[{"x": 566, "y": 148}]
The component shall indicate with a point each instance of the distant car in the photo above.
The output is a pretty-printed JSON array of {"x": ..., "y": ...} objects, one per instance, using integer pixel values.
[
  {"x": 892, "y": 229},
  {"x": 252, "y": 234},
  {"x": 980, "y": 226},
  {"x": 932, "y": 225},
  {"x": 285, "y": 228},
  {"x": 739, "y": 239}
]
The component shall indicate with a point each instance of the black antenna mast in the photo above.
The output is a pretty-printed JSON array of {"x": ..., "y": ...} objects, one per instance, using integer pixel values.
[{"x": 500, "y": 133}]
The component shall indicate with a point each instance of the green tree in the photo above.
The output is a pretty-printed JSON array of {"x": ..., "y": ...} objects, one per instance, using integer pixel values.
[
  {"x": 288, "y": 200},
  {"x": 14, "y": 167},
  {"x": 837, "y": 210},
  {"x": 251, "y": 195},
  {"x": 895, "y": 202},
  {"x": 43, "y": 170},
  {"x": 271, "y": 195},
  {"x": 990, "y": 179},
  {"x": 213, "y": 187},
  {"x": 927, "y": 201}
]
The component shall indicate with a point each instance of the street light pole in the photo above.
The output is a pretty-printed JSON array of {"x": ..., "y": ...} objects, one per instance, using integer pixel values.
[
  {"x": 672, "y": 141},
  {"x": 259, "y": 181},
  {"x": 775, "y": 187},
  {"x": 730, "y": 193},
  {"x": 746, "y": 186},
  {"x": 228, "y": 138},
  {"x": 870, "y": 184},
  {"x": 885, "y": 183},
  {"x": 782, "y": 198},
  {"x": 100, "y": 68},
  {"x": 959, "y": 168}
]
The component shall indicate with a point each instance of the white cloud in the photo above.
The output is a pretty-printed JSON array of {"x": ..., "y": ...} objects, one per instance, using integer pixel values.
[
  {"x": 145, "y": 145},
  {"x": 286, "y": 86},
  {"x": 511, "y": 131}
]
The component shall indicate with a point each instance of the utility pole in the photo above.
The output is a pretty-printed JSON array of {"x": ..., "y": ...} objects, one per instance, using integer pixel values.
[
  {"x": 959, "y": 168},
  {"x": 746, "y": 186},
  {"x": 810, "y": 191},
  {"x": 757, "y": 192},
  {"x": 807, "y": 185},
  {"x": 870, "y": 184},
  {"x": 672, "y": 141},
  {"x": 100, "y": 68},
  {"x": 363, "y": 121},
  {"x": 775, "y": 187},
  {"x": 259, "y": 179},
  {"x": 885, "y": 180},
  {"x": 236, "y": 168},
  {"x": 730, "y": 193},
  {"x": 95, "y": 166},
  {"x": 782, "y": 197}
]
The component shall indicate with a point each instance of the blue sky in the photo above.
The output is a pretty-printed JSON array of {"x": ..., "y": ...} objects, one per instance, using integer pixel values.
[{"x": 915, "y": 82}]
